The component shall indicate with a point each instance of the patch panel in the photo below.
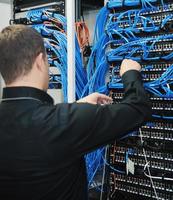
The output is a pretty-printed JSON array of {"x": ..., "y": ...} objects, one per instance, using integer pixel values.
[
  {"x": 23, "y": 5},
  {"x": 156, "y": 167},
  {"x": 162, "y": 106},
  {"x": 159, "y": 125},
  {"x": 156, "y": 16},
  {"x": 155, "y": 68},
  {"x": 120, "y": 7},
  {"x": 133, "y": 182},
  {"x": 142, "y": 191},
  {"x": 147, "y": 76},
  {"x": 119, "y": 42}
]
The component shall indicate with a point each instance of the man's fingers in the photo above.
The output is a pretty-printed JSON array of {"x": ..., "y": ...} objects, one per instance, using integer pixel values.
[
  {"x": 103, "y": 99},
  {"x": 102, "y": 96},
  {"x": 96, "y": 98}
]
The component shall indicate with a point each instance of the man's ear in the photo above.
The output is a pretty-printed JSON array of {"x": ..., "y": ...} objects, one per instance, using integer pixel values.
[{"x": 39, "y": 61}]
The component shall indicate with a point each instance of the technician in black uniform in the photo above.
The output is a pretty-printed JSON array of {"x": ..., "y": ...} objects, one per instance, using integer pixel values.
[{"x": 42, "y": 146}]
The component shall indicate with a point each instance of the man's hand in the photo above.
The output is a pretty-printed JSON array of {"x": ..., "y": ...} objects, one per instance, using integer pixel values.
[
  {"x": 96, "y": 98},
  {"x": 129, "y": 65}
]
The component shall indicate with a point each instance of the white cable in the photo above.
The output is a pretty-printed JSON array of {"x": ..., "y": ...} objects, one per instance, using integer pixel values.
[
  {"x": 148, "y": 168},
  {"x": 156, "y": 177}
]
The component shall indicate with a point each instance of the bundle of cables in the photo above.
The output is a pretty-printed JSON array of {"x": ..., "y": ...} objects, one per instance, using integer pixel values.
[
  {"x": 53, "y": 28},
  {"x": 125, "y": 26},
  {"x": 83, "y": 36},
  {"x": 121, "y": 3},
  {"x": 133, "y": 50},
  {"x": 160, "y": 87}
]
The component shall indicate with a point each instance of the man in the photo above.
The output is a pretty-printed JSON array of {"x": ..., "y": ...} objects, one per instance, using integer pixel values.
[{"x": 42, "y": 145}]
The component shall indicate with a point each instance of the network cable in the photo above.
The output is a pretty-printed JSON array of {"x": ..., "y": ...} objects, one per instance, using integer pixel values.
[
  {"x": 119, "y": 3},
  {"x": 53, "y": 27}
]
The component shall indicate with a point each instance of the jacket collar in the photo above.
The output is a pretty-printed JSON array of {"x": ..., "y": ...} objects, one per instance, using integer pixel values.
[{"x": 26, "y": 92}]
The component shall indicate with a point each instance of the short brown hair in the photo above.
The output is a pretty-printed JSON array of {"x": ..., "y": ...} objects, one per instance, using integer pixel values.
[{"x": 19, "y": 47}]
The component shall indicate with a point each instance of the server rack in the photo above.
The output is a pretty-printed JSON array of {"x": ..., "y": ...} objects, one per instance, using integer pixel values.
[
  {"x": 20, "y": 9},
  {"x": 142, "y": 164}
]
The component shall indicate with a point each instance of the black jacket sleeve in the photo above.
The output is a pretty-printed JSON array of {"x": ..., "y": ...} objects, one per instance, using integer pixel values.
[{"x": 87, "y": 127}]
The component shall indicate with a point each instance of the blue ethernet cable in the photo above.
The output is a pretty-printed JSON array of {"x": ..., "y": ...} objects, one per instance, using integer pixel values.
[
  {"x": 112, "y": 168},
  {"x": 36, "y": 15},
  {"x": 147, "y": 24},
  {"x": 98, "y": 52},
  {"x": 163, "y": 117},
  {"x": 40, "y": 15},
  {"x": 94, "y": 163},
  {"x": 100, "y": 24},
  {"x": 119, "y": 3},
  {"x": 129, "y": 49},
  {"x": 59, "y": 43},
  {"x": 159, "y": 87}
]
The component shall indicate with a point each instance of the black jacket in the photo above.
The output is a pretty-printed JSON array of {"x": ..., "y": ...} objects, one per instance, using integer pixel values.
[{"x": 42, "y": 145}]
